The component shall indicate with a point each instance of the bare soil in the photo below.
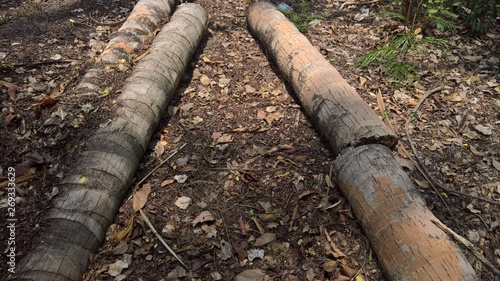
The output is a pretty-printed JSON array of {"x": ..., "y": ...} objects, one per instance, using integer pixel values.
[{"x": 252, "y": 162}]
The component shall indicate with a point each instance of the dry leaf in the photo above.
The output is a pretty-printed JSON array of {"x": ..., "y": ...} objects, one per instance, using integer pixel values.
[
  {"x": 203, "y": 217},
  {"x": 250, "y": 275},
  {"x": 261, "y": 114},
  {"x": 243, "y": 227},
  {"x": 271, "y": 109},
  {"x": 116, "y": 268},
  {"x": 226, "y": 250},
  {"x": 240, "y": 130},
  {"x": 11, "y": 89},
  {"x": 496, "y": 164},
  {"x": 119, "y": 235},
  {"x": 9, "y": 118},
  {"x": 249, "y": 89},
  {"x": 183, "y": 202},
  {"x": 266, "y": 238},
  {"x": 362, "y": 81},
  {"x": 225, "y": 138},
  {"x": 141, "y": 196},
  {"x": 205, "y": 80},
  {"x": 166, "y": 182},
  {"x": 255, "y": 253},
  {"x": 197, "y": 120},
  {"x": 305, "y": 193}
]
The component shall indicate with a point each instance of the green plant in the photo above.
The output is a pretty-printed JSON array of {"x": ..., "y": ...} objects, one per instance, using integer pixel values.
[
  {"x": 419, "y": 14},
  {"x": 481, "y": 15},
  {"x": 299, "y": 19},
  {"x": 393, "y": 58}
]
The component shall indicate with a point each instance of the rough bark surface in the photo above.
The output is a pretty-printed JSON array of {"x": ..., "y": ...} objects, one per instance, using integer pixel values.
[
  {"x": 93, "y": 191},
  {"x": 144, "y": 19},
  {"x": 338, "y": 112},
  {"x": 394, "y": 216}
]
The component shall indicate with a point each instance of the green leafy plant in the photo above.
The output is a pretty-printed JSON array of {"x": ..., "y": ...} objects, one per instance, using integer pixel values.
[
  {"x": 393, "y": 58},
  {"x": 419, "y": 14},
  {"x": 481, "y": 15}
]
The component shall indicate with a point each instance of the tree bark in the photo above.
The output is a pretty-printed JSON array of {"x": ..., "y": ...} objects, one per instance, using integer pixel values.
[
  {"x": 140, "y": 25},
  {"x": 338, "y": 112},
  {"x": 396, "y": 221},
  {"x": 144, "y": 19},
  {"x": 93, "y": 191},
  {"x": 395, "y": 218}
]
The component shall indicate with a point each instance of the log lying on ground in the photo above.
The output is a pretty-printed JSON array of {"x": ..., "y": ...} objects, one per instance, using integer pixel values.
[
  {"x": 93, "y": 191},
  {"x": 408, "y": 244},
  {"x": 339, "y": 113},
  {"x": 144, "y": 19},
  {"x": 394, "y": 216}
]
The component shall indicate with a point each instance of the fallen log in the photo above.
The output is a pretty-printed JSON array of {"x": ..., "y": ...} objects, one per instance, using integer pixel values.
[
  {"x": 394, "y": 217},
  {"x": 144, "y": 19},
  {"x": 94, "y": 189},
  {"x": 334, "y": 106},
  {"x": 140, "y": 25}
]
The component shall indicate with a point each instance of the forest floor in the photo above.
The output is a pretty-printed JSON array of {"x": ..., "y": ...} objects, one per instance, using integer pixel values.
[{"x": 252, "y": 188}]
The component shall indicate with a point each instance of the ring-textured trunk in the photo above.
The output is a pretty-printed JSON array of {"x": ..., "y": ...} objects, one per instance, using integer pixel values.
[
  {"x": 93, "y": 191},
  {"x": 333, "y": 105}
]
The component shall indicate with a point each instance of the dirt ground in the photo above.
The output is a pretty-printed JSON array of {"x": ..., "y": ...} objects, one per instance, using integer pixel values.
[{"x": 252, "y": 163}]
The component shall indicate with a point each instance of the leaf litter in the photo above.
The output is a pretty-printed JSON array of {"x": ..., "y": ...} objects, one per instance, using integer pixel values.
[{"x": 263, "y": 185}]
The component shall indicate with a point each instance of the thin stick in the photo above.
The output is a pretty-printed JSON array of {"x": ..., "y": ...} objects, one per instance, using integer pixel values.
[
  {"x": 434, "y": 183},
  {"x": 468, "y": 245},
  {"x": 148, "y": 222},
  {"x": 159, "y": 165},
  {"x": 410, "y": 141}
]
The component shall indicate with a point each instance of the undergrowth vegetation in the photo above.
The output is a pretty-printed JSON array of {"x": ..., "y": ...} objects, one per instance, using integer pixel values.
[
  {"x": 419, "y": 17},
  {"x": 393, "y": 58},
  {"x": 299, "y": 18}
]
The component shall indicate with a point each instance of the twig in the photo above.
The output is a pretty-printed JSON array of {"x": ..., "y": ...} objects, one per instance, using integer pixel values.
[
  {"x": 257, "y": 224},
  {"x": 159, "y": 165},
  {"x": 337, "y": 252},
  {"x": 468, "y": 245},
  {"x": 410, "y": 141},
  {"x": 148, "y": 222},
  {"x": 295, "y": 215},
  {"x": 434, "y": 183}
]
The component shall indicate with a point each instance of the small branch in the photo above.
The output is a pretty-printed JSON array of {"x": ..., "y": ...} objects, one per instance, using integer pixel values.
[
  {"x": 468, "y": 245},
  {"x": 410, "y": 141},
  {"x": 153, "y": 229},
  {"x": 259, "y": 227},
  {"x": 159, "y": 165}
]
